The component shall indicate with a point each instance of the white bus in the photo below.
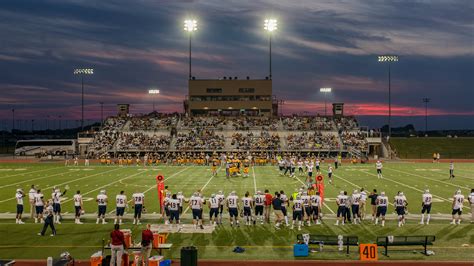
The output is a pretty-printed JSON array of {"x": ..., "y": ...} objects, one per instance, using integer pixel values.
[{"x": 46, "y": 146}]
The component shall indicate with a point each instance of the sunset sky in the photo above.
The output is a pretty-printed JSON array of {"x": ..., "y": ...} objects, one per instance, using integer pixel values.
[{"x": 137, "y": 45}]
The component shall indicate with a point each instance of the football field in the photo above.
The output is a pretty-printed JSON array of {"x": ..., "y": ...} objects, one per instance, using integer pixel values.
[{"x": 453, "y": 242}]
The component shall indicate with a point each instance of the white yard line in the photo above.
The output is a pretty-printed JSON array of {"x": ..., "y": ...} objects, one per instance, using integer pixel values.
[
  {"x": 205, "y": 185},
  {"x": 254, "y": 180},
  {"x": 446, "y": 183},
  {"x": 27, "y": 173},
  {"x": 66, "y": 182}
]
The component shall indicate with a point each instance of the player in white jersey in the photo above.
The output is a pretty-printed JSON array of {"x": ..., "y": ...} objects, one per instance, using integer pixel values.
[
  {"x": 381, "y": 202},
  {"x": 196, "y": 203},
  {"x": 39, "y": 206},
  {"x": 297, "y": 212},
  {"x": 458, "y": 202},
  {"x": 285, "y": 203},
  {"x": 281, "y": 165},
  {"x": 355, "y": 206},
  {"x": 341, "y": 201},
  {"x": 316, "y": 207},
  {"x": 363, "y": 200},
  {"x": 379, "y": 166},
  {"x": 247, "y": 203},
  {"x": 138, "y": 201},
  {"x": 120, "y": 204},
  {"x": 451, "y": 170},
  {"x": 471, "y": 202},
  {"x": 330, "y": 174},
  {"x": 310, "y": 169},
  {"x": 166, "y": 206},
  {"x": 259, "y": 202},
  {"x": 78, "y": 207},
  {"x": 214, "y": 205},
  {"x": 180, "y": 197},
  {"x": 426, "y": 206},
  {"x": 19, "y": 205},
  {"x": 31, "y": 200},
  {"x": 306, "y": 208},
  {"x": 173, "y": 206},
  {"x": 233, "y": 206},
  {"x": 400, "y": 203},
  {"x": 86, "y": 161},
  {"x": 76, "y": 161},
  {"x": 101, "y": 206},
  {"x": 318, "y": 169},
  {"x": 221, "y": 197},
  {"x": 56, "y": 196},
  {"x": 300, "y": 167}
]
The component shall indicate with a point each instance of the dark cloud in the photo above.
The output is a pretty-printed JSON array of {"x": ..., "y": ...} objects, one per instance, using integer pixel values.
[{"x": 134, "y": 46}]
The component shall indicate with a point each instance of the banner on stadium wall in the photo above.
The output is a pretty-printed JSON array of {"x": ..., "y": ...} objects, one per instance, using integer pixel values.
[{"x": 160, "y": 186}]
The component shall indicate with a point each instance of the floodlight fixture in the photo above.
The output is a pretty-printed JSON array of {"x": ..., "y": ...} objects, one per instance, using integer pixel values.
[
  {"x": 389, "y": 59},
  {"x": 190, "y": 25},
  {"x": 270, "y": 24},
  {"x": 325, "y": 90},
  {"x": 82, "y": 72}
]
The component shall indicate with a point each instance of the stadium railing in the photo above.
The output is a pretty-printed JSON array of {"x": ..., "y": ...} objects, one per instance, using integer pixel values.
[
  {"x": 387, "y": 241},
  {"x": 330, "y": 240}
]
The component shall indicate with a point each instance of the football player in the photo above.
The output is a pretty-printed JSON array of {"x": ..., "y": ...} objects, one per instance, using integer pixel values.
[
  {"x": 56, "y": 196},
  {"x": 259, "y": 202},
  {"x": 330, "y": 174},
  {"x": 173, "y": 206},
  {"x": 78, "y": 207},
  {"x": 341, "y": 207},
  {"x": 316, "y": 207},
  {"x": 379, "y": 166},
  {"x": 306, "y": 207},
  {"x": 400, "y": 203},
  {"x": 101, "y": 206},
  {"x": 233, "y": 206},
  {"x": 381, "y": 202},
  {"x": 426, "y": 206},
  {"x": 458, "y": 202},
  {"x": 451, "y": 170},
  {"x": 284, "y": 199},
  {"x": 19, "y": 205},
  {"x": 247, "y": 203},
  {"x": 120, "y": 203},
  {"x": 213, "y": 209},
  {"x": 363, "y": 200},
  {"x": 39, "y": 206},
  {"x": 355, "y": 206},
  {"x": 196, "y": 203},
  {"x": 138, "y": 201},
  {"x": 221, "y": 197},
  {"x": 297, "y": 212}
]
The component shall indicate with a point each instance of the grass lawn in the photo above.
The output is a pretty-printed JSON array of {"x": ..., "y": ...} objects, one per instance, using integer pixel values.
[
  {"x": 261, "y": 241},
  {"x": 423, "y": 148}
]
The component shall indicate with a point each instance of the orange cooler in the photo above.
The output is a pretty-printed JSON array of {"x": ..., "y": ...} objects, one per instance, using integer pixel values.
[
  {"x": 127, "y": 234},
  {"x": 155, "y": 261}
]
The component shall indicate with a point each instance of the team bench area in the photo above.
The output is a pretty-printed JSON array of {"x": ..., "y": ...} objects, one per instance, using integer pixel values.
[
  {"x": 330, "y": 240},
  {"x": 387, "y": 241}
]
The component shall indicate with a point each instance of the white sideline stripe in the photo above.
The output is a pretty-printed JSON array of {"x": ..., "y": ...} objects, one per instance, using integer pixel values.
[
  {"x": 27, "y": 173},
  {"x": 400, "y": 171},
  {"x": 254, "y": 181},
  {"x": 324, "y": 203},
  {"x": 66, "y": 182},
  {"x": 153, "y": 186},
  {"x": 402, "y": 184}
]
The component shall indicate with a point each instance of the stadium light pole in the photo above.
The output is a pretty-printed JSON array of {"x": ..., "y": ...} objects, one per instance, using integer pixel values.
[
  {"x": 82, "y": 72},
  {"x": 426, "y": 101},
  {"x": 153, "y": 92},
  {"x": 325, "y": 91},
  {"x": 389, "y": 59},
  {"x": 270, "y": 25},
  {"x": 190, "y": 25}
]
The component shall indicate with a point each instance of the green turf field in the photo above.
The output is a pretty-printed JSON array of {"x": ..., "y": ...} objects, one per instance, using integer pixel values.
[
  {"x": 261, "y": 242},
  {"x": 423, "y": 148}
]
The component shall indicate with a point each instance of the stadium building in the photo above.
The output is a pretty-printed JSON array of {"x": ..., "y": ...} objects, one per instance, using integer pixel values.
[{"x": 230, "y": 96}]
